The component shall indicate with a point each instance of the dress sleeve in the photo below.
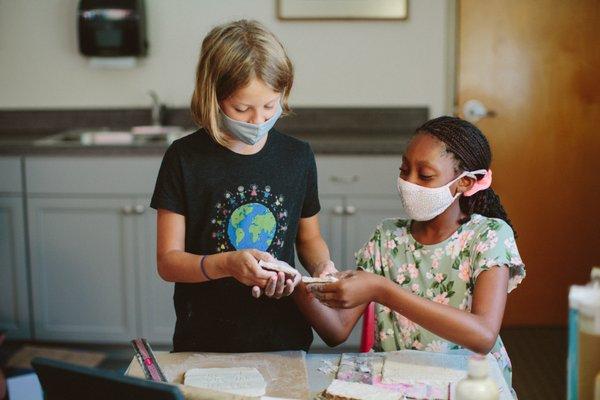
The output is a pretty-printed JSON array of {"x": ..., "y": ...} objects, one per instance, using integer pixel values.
[
  {"x": 311, "y": 205},
  {"x": 496, "y": 247},
  {"x": 168, "y": 191},
  {"x": 368, "y": 258}
]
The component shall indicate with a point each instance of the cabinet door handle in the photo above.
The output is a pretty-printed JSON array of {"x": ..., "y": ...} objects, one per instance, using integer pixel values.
[
  {"x": 139, "y": 209},
  {"x": 127, "y": 210},
  {"x": 344, "y": 179},
  {"x": 350, "y": 210},
  {"x": 338, "y": 210}
]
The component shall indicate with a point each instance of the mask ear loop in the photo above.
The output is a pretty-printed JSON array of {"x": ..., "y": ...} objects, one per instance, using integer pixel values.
[{"x": 457, "y": 194}]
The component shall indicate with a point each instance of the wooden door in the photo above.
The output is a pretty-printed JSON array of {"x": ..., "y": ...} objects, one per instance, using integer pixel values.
[{"x": 536, "y": 65}]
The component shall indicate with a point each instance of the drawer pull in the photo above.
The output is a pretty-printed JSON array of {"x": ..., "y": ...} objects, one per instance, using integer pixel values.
[
  {"x": 350, "y": 210},
  {"x": 344, "y": 179},
  {"x": 338, "y": 210}
]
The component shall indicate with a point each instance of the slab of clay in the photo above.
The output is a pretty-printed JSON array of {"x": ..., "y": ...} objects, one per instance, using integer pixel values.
[
  {"x": 240, "y": 380},
  {"x": 284, "y": 371},
  {"x": 323, "y": 280},
  {"x": 278, "y": 266},
  {"x": 408, "y": 367},
  {"x": 341, "y": 390},
  {"x": 361, "y": 367}
]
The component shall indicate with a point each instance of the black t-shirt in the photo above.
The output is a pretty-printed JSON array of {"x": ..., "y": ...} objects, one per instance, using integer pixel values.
[{"x": 233, "y": 202}]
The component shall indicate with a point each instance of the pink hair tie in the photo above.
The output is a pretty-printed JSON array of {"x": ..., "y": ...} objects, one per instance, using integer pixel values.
[{"x": 481, "y": 184}]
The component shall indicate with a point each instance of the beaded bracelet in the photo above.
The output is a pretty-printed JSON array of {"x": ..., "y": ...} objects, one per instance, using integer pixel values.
[{"x": 203, "y": 269}]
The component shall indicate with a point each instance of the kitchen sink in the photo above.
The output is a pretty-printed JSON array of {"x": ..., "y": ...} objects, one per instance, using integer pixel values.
[{"x": 135, "y": 136}]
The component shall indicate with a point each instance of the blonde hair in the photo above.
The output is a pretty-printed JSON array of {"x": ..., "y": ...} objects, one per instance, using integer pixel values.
[{"x": 232, "y": 55}]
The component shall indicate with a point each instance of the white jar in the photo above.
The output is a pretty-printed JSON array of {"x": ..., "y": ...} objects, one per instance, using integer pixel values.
[{"x": 477, "y": 385}]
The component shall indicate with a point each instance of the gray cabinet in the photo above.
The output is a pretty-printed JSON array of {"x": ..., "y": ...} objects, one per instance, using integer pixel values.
[
  {"x": 14, "y": 293},
  {"x": 347, "y": 223},
  {"x": 360, "y": 192},
  {"x": 83, "y": 261},
  {"x": 14, "y": 300},
  {"x": 93, "y": 251},
  {"x": 92, "y": 241},
  {"x": 330, "y": 222},
  {"x": 156, "y": 296},
  {"x": 357, "y": 193},
  {"x": 364, "y": 214}
]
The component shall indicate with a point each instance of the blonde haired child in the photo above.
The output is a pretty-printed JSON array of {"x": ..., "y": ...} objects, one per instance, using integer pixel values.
[
  {"x": 232, "y": 55},
  {"x": 235, "y": 192}
]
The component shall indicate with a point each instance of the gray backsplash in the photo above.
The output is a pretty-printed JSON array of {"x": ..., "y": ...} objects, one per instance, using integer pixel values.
[{"x": 322, "y": 123}]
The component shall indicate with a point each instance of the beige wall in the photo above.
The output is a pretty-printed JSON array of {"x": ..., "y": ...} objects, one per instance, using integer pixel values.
[{"x": 338, "y": 63}]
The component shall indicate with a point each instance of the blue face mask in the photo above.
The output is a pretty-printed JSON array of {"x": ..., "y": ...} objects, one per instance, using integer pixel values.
[{"x": 249, "y": 133}]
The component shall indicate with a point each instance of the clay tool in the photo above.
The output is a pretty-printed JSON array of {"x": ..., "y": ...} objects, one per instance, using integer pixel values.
[{"x": 147, "y": 360}]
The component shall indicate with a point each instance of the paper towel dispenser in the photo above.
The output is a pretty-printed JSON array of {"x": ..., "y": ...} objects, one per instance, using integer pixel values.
[{"x": 112, "y": 28}]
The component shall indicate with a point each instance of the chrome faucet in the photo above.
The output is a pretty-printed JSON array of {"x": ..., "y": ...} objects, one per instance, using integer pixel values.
[{"x": 156, "y": 109}]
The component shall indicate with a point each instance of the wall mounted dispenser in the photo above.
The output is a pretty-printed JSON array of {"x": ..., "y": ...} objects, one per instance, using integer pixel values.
[{"x": 112, "y": 28}]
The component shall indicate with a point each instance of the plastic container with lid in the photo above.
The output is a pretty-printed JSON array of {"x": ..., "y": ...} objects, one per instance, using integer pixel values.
[{"x": 583, "y": 362}]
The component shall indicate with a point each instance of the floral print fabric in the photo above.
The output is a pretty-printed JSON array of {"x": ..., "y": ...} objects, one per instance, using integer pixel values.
[{"x": 445, "y": 273}]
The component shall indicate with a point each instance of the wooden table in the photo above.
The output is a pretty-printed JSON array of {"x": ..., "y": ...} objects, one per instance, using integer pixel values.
[{"x": 319, "y": 380}]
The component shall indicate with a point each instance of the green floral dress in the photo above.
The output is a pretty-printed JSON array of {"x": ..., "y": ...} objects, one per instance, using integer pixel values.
[{"x": 445, "y": 273}]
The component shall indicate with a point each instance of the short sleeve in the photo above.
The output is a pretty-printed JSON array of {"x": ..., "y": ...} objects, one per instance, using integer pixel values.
[
  {"x": 368, "y": 258},
  {"x": 496, "y": 247},
  {"x": 168, "y": 191},
  {"x": 311, "y": 205}
]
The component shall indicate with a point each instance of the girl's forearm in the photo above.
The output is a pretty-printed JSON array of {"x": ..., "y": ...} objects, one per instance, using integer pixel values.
[
  {"x": 332, "y": 325},
  {"x": 463, "y": 328},
  {"x": 179, "y": 266},
  {"x": 313, "y": 253}
]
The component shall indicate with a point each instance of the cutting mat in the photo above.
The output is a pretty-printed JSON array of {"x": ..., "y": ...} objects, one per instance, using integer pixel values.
[
  {"x": 361, "y": 367},
  {"x": 285, "y": 372},
  {"x": 370, "y": 368}
]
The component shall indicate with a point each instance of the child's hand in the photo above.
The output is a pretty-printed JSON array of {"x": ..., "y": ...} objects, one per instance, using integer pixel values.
[
  {"x": 325, "y": 269},
  {"x": 243, "y": 266},
  {"x": 278, "y": 287},
  {"x": 353, "y": 289}
]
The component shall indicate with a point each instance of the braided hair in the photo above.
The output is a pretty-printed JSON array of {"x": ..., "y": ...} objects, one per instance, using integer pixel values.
[{"x": 471, "y": 150}]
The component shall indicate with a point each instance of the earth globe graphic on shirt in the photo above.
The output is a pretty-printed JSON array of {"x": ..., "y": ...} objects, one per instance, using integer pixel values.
[{"x": 251, "y": 226}]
